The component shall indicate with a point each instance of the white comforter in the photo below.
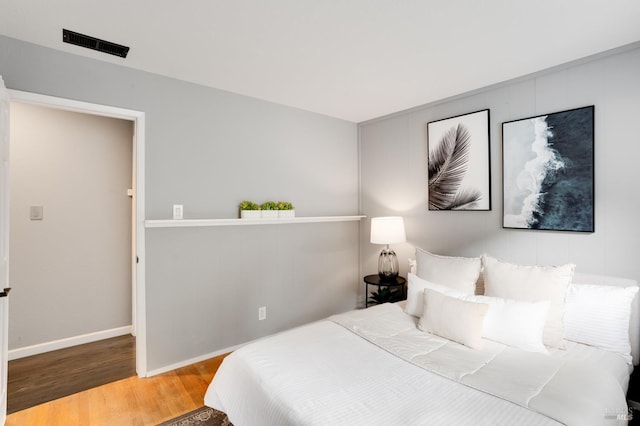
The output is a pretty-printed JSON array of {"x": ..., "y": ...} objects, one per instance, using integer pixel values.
[{"x": 329, "y": 373}]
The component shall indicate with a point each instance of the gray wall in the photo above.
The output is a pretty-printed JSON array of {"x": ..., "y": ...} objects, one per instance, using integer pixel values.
[
  {"x": 77, "y": 259},
  {"x": 393, "y": 171},
  {"x": 299, "y": 272},
  {"x": 208, "y": 150}
]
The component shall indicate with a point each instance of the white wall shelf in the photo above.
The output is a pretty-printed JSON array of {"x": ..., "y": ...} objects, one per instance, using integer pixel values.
[{"x": 186, "y": 223}]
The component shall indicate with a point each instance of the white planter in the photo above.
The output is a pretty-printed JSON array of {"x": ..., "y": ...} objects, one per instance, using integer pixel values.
[
  {"x": 286, "y": 213},
  {"x": 269, "y": 214},
  {"x": 250, "y": 214}
]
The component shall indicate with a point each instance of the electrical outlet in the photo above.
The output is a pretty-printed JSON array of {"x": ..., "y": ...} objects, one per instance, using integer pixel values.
[
  {"x": 177, "y": 211},
  {"x": 262, "y": 313}
]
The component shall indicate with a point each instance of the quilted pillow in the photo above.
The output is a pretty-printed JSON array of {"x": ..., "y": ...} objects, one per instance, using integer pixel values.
[
  {"x": 532, "y": 283},
  {"x": 460, "y": 273},
  {"x": 598, "y": 315}
]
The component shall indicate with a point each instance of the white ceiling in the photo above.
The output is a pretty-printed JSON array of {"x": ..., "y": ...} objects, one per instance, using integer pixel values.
[{"x": 351, "y": 59}]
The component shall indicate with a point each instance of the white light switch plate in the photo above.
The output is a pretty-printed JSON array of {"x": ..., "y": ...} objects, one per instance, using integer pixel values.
[
  {"x": 36, "y": 213},
  {"x": 177, "y": 211}
]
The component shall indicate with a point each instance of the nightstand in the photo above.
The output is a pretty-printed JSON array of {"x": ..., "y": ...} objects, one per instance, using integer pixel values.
[
  {"x": 633, "y": 397},
  {"x": 388, "y": 291}
]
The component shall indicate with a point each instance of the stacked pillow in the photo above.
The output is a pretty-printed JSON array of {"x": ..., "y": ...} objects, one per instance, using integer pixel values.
[
  {"x": 532, "y": 283},
  {"x": 511, "y": 322},
  {"x": 460, "y": 273},
  {"x": 453, "y": 318},
  {"x": 599, "y": 315},
  {"x": 527, "y": 307}
]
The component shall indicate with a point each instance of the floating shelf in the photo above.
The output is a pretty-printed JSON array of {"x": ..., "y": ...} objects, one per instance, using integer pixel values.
[{"x": 186, "y": 223}]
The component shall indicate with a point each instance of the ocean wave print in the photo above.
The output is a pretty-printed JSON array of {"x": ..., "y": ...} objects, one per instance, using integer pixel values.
[{"x": 540, "y": 161}]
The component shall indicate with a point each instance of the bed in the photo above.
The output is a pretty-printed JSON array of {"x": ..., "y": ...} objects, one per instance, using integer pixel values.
[{"x": 410, "y": 363}]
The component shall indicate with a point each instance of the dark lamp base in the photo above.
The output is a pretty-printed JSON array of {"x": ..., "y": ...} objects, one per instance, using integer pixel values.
[{"x": 388, "y": 277}]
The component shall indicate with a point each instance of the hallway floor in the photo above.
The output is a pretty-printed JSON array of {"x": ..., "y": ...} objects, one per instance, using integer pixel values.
[{"x": 40, "y": 378}]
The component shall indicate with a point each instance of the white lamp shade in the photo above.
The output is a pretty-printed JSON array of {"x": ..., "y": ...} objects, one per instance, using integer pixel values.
[{"x": 387, "y": 230}]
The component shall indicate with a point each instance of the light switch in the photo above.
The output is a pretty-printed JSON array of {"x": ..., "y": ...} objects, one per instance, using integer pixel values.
[
  {"x": 36, "y": 213},
  {"x": 177, "y": 211}
]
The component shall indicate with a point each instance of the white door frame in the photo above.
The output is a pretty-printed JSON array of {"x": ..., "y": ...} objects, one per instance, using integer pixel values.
[
  {"x": 139, "y": 325},
  {"x": 4, "y": 247}
]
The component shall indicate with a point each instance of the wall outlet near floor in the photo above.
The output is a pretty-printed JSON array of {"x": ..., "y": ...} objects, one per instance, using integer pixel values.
[{"x": 262, "y": 313}]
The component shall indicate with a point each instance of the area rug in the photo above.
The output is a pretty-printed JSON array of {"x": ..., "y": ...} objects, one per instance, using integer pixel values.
[{"x": 203, "y": 416}]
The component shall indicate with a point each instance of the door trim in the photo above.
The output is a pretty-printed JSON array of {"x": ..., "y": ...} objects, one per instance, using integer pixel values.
[{"x": 138, "y": 118}]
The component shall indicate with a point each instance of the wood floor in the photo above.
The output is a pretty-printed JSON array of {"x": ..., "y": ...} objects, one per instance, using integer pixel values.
[
  {"x": 40, "y": 378},
  {"x": 130, "y": 401}
]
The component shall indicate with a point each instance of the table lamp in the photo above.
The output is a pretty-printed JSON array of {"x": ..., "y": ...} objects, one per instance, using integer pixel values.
[{"x": 387, "y": 230}]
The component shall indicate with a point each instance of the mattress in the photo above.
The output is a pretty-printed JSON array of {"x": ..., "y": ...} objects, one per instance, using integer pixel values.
[{"x": 374, "y": 367}]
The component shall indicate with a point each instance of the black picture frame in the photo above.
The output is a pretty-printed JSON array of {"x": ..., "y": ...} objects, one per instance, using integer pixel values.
[
  {"x": 548, "y": 171},
  {"x": 459, "y": 162}
]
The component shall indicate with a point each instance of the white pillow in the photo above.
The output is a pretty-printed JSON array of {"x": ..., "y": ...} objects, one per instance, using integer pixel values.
[
  {"x": 415, "y": 291},
  {"x": 532, "y": 283},
  {"x": 453, "y": 319},
  {"x": 514, "y": 323},
  {"x": 598, "y": 315},
  {"x": 460, "y": 273},
  {"x": 511, "y": 322}
]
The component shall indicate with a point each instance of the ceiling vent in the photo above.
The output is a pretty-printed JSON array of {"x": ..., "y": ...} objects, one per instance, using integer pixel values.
[{"x": 94, "y": 43}]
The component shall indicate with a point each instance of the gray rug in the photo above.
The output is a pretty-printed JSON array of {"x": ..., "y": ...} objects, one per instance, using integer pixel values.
[{"x": 203, "y": 416}]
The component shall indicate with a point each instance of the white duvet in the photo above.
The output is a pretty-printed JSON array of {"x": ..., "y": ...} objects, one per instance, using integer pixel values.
[{"x": 374, "y": 367}]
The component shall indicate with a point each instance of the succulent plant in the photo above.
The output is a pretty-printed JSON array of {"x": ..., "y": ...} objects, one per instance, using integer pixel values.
[
  {"x": 269, "y": 205},
  {"x": 249, "y": 205},
  {"x": 285, "y": 205}
]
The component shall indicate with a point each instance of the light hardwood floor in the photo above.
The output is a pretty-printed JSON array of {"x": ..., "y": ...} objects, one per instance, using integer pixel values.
[{"x": 131, "y": 401}]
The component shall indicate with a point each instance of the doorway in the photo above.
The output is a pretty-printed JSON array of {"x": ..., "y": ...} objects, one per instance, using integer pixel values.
[{"x": 37, "y": 212}]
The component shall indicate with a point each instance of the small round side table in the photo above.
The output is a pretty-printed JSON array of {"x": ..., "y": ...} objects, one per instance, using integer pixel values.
[{"x": 387, "y": 289}]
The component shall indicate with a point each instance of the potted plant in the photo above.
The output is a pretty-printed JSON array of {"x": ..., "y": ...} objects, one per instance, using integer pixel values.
[
  {"x": 249, "y": 210},
  {"x": 269, "y": 210},
  {"x": 286, "y": 209}
]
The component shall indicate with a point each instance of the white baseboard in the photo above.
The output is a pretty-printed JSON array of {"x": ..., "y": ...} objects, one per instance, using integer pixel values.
[
  {"x": 68, "y": 342},
  {"x": 193, "y": 360}
]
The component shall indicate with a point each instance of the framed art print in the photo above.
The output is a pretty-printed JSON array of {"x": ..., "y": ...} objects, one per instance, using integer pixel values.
[
  {"x": 548, "y": 171},
  {"x": 458, "y": 163}
]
